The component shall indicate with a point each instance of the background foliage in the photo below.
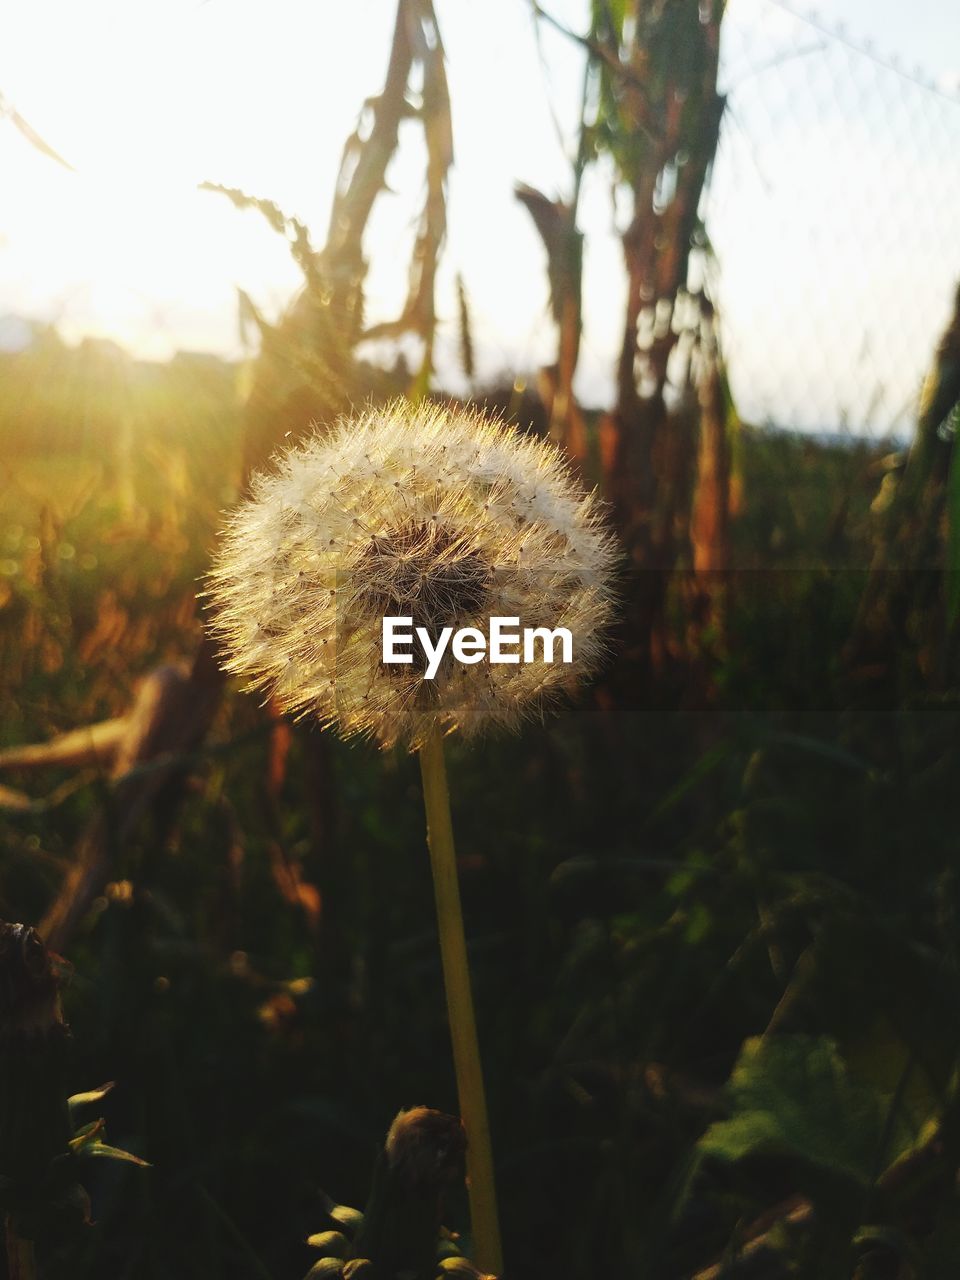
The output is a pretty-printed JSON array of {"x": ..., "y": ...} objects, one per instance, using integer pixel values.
[{"x": 715, "y": 948}]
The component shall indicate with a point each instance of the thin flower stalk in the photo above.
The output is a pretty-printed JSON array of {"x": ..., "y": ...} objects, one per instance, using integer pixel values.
[{"x": 463, "y": 1027}]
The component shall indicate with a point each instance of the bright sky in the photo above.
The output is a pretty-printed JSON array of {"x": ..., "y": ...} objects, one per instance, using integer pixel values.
[{"x": 148, "y": 98}]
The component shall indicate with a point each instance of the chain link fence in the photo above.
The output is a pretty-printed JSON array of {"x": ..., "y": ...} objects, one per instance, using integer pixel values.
[{"x": 833, "y": 212}]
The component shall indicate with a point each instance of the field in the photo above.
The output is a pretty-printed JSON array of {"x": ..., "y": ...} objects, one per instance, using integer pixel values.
[{"x": 656, "y": 882}]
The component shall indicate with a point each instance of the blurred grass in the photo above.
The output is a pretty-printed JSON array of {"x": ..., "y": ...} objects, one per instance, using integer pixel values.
[{"x": 645, "y": 888}]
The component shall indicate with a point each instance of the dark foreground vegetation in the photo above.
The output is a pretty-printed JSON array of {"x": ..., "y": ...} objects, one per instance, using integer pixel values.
[{"x": 713, "y": 915}]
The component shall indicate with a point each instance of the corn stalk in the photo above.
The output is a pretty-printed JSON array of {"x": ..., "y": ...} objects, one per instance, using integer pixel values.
[
  {"x": 306, "y": 370},
  {"x": 664, "y": 449}
]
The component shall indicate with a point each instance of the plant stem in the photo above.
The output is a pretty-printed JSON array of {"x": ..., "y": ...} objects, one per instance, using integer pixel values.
[
  {"x": 463, "y": 1027},
  {"x": 21, "y": 1260}
]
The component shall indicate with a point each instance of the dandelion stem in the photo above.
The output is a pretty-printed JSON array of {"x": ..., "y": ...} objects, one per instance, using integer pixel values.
[
  {"x": 463, "y": 1027},
  {"x": 21, "y": 1260}
]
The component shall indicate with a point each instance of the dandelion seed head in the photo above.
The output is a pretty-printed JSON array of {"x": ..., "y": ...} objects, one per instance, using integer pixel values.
[{"x": 444, "y": 516}]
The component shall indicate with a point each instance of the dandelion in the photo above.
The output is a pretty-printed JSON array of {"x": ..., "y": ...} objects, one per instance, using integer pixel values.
[{"x": 448, "y": 519}]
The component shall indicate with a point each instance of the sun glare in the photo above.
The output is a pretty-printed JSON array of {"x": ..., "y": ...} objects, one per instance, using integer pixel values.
[{"x": 145, "y": 102}]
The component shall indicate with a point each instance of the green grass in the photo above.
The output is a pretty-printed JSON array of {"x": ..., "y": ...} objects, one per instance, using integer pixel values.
[{"x": 646, "y": 891}]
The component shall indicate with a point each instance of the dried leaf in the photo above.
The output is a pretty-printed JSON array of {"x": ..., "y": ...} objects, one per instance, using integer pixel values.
[
  {"x": 31, "y": 134},
  {"x": 94, "y": 744}
]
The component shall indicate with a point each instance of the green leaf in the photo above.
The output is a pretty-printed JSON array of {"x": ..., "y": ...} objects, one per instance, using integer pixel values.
[
  {"x": 702, "y": 769},
  {"x": 87, "y": 1142},
  {"x": 334, "y": 1244},
  {"x": 102, "y": 1149},
  {"x": 447, "y": 1248},
  {"x": 793, "y": 1096},
  {"x": 459, "y": 1267},
  {"x": 826, "y": 750},
  {"x": 86, "y": 1133},
  {"x": 329, "y": 1267},
  {"x": 93, "y": 1095},
  {"x": 352, "y": 1219}
]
